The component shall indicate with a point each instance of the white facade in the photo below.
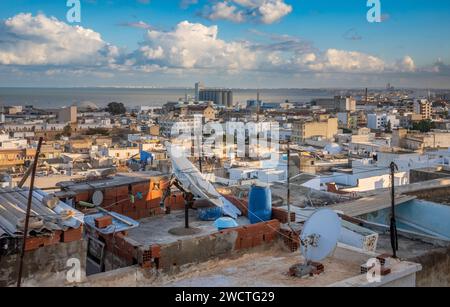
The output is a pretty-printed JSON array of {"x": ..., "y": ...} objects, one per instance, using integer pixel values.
[
  {"x": 33, "y": 126},
  {"x": 96, "y": 123},
  {"x": 360, "y": 180},
  {"x": 6, "y": 142},
  {"x": 381, "y": 121}
]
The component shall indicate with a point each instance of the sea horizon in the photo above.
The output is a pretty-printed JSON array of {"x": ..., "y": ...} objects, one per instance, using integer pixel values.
[{"x": 135, "y": 96}]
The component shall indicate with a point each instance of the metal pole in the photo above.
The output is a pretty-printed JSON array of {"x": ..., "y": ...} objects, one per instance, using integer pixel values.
[
  {"x": 200, "y": 154},
  {"x": 186, "y": 215},
  {"x": 289, "y": 181},
  {"x": 27, "y": 217},
  {"x": 393, "y": 226},
  {"x": 188, "y": 198},
  {"x": 25, "y": 176}
]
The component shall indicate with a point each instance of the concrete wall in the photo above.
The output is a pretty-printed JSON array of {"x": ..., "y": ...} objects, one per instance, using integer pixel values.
[
  {"x": 426, "y": 175},
  {"x": 437, "y": 195},
  {"x": 180, "y": 253},
  {"x": 44, "y": 266},
  {"x": 435, "y": 268}
]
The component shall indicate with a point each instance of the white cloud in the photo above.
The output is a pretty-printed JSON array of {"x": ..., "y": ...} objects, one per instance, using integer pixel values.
[
  {"x": 40, "y": 40},
  {"x": 196, "y": 46},
  {"x": 152, "y": 53},
  {"x": 272, "y": 11},
  {"x": 347, "y": 61},
  {"x": 264, "y": 11},
  {"x": 406, "y": 64},
  {"x": 224, "y": 10},
  {"x": 193, "y": 45},
  {"x": 55, "y": 48}
]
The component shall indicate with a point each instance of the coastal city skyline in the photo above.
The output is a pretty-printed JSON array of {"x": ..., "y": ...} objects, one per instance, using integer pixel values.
[
  {"x": 244, "y": 44},
  {"x": 204, "y": 146}
]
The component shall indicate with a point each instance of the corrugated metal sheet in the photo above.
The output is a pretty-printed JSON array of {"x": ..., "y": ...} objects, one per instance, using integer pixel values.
[{"x": 13, "y": 205}]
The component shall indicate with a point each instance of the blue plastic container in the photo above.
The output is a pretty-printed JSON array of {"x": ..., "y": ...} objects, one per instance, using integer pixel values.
[
  {"x": 209, "y": 214},
  {"x": 225, "y": 223},
  {"x": 260, "y": 204}
]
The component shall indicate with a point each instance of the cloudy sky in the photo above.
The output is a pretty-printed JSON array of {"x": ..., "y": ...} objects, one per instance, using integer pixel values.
[{"x": 233, "y": 43}]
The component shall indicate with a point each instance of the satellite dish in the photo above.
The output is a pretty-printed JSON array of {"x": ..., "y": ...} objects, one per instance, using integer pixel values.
[
  {"x": 97, "y": 198},
  {"x": 320, "y": 235}
]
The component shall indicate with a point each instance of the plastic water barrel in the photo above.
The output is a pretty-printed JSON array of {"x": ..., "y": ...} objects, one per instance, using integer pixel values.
[
  {"x": 209, "y": 214},
  {"x": 260, "y": 204}
]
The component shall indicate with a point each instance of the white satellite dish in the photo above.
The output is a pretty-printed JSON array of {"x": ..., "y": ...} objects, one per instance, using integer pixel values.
[
  {"x": 97, "y": 198},
  {"x": 320, "y": 235}
]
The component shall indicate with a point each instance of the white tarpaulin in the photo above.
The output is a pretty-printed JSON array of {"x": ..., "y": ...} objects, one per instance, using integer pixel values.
[{"x": 193, "y": 181}]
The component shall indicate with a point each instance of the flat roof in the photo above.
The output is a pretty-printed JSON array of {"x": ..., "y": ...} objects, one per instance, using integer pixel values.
[
  {"x": 155, "y": 230},
  {"x": 118, "y": 180},
  {"x": 270, "y": 268}
]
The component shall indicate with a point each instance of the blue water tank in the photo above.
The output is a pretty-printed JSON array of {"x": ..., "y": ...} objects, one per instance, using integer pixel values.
[{"x": 260, "y": 204}]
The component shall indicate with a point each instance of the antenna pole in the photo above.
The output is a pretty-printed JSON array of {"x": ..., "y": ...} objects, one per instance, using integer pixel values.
[
  {"x": 200, "y": 153},
  {"x": 27, "y": 217},
  {"x": 393, "y": 227},
  {"x": 289, "y": 181},
  {"x": 258, "y": 104}
]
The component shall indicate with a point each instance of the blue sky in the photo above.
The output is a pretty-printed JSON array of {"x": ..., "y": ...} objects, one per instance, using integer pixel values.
[{"x": 309, "y": 43}]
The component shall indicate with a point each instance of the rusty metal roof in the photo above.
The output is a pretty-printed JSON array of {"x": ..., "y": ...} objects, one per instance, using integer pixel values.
[{"x": 13, "y": 205}]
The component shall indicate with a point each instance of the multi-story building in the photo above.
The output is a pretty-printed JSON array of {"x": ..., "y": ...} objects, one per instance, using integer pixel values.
[
  {"x": 419, "y": 141},
  {"x": 6, "y": 142},
  {"x": 198, "y": 88},
  {"x": 12, "y": 157},
  {"x": 379, "y": 121},
  {"x": 424, "y": 108},
  {"x": 303, "y": 130},
  {"x": 167, "y": 124},
  {"x": 68, "y": 115},
  {"x": 347, "y": 120},
  {"x": 338, "y": 103},
  {"x": 208, "y": 112},
  {"x": 362, "y": 119}
]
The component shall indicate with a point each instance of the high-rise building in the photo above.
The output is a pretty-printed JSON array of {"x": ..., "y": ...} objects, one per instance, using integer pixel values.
[
  {"x": 198, "y": 87},
  {"x": 221, "y": 97},
  {"x": 424, "y": 108},
  {"x": 68, "y": 115}
]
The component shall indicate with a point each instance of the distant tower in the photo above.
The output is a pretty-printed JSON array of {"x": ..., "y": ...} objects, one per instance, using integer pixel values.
[
  {"x": 198, "y": 87},
  {"x": 258, "y": 104}
]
